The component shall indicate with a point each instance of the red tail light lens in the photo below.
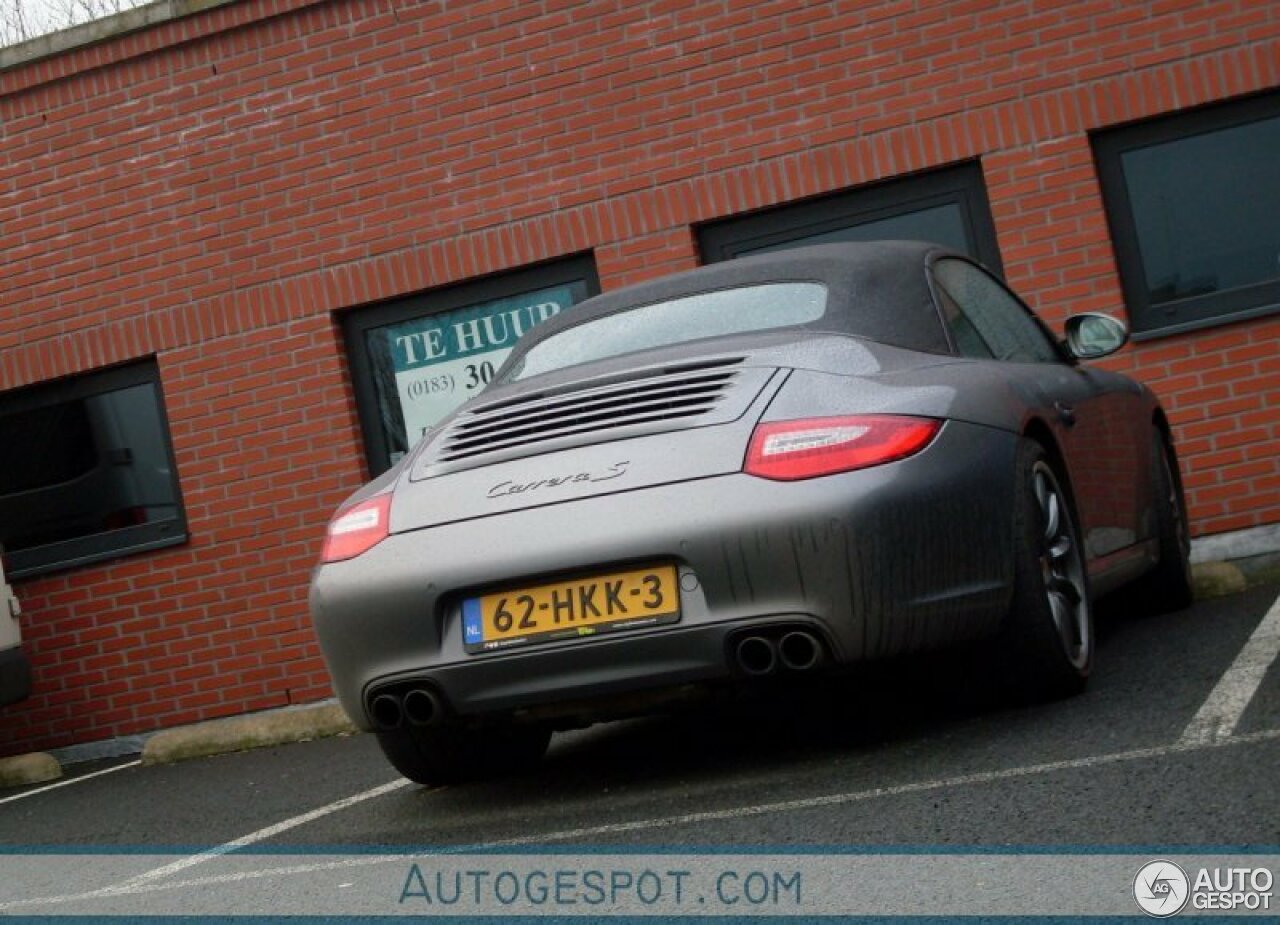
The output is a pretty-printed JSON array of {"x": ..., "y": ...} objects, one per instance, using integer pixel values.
[
  {"x": 791, "y": 450},
  {"x": 357, "y": 529}
]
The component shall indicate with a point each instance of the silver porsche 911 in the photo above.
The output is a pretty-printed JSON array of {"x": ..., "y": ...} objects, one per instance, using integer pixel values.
[{"x": 779, "y": 465}]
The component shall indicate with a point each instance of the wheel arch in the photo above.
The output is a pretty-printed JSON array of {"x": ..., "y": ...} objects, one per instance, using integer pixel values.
[
  {"x": 1036, "y": 429},
  {"x": 1162, "y": 426}
]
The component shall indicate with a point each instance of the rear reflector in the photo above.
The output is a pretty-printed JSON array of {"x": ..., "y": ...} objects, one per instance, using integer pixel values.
[
  {"x": 357, "y": 529},
  {"x": 791, "y": 450}
]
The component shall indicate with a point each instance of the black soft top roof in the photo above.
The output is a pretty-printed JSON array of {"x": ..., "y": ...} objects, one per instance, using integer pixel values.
[{"x": 877, "y": 290}]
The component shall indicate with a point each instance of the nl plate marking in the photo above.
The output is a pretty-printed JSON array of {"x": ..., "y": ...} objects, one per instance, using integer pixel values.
[{"x": 573, "y": 608}]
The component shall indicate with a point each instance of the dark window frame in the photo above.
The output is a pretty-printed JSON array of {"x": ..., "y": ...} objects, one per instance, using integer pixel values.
[
  {"x": 111, "y": 544},
  {"x": 357, "y": 322},
  {"x": 960, "y": 184},
  {"x": 1148, "y": 320}
]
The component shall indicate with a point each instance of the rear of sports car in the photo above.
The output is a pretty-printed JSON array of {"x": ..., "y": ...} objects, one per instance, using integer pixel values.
[
  {"x": 673, "y": 524},
  {"x": 610, "y": 526}
]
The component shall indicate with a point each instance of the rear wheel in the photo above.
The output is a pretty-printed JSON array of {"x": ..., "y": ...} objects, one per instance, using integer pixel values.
[
  {"x": 1047, "y": 639},
  {"x": 1167, "y": 587},
  {"x": 446, "y": 754}
]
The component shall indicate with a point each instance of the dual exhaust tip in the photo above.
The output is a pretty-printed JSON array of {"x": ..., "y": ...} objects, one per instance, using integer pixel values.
[
  {"x": 418, "y": 706},
  {"x": 755, "y": 655},
  {"x": 796, "y": 650}
]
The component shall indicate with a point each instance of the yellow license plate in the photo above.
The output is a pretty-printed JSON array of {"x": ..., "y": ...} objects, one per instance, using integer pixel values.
[{"x": 576, "y": 608}]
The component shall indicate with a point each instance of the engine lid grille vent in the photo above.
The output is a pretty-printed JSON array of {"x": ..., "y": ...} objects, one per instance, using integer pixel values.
[{"x": 663, "y": 399}]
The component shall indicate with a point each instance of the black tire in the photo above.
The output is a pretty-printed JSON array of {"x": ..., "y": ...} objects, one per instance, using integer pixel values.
[
  {"x": 1047, "y": 639},
  {"x": 437, "y": 755},
  {"x": 1167, "y": 587}
]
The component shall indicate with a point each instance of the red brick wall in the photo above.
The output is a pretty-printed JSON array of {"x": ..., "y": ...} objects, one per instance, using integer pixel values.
[{"x": 210, "y": 190}]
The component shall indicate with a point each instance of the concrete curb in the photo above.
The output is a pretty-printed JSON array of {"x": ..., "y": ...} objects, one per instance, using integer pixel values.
[
  {"x": 1260, "y": 570},
  {"x": 238, "y": 733},
  {"x": 1216, "y": 579},
  {"x": 33, "y": 768}
]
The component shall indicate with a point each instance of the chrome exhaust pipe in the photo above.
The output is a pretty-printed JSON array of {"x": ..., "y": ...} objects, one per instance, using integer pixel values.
[
  {"x": 756, "y": 656},
  {"x": 799, "y": 650},
  {"x": 386, "y": 712},
  {"x": 422, "y": 707}
]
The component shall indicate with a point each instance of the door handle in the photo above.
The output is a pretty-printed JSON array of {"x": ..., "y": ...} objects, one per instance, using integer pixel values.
[{"x": 1066, "y": 413}]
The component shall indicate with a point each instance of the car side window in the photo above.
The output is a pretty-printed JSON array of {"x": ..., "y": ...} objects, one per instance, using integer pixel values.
[
  {"x": 990, "y": 317},
  {"x": 965, "y": 336}
]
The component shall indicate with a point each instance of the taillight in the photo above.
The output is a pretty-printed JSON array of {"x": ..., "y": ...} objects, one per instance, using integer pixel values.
[
  {"x": 790, "y": 450},
  {"x": 357, "y": 529}
]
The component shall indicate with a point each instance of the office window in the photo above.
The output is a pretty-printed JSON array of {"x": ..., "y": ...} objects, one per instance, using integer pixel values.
[
  {"x": 1192, "y": 201},
  {"x": 414, "y": 360},
  {"x": 86, "y": 470},
  {"x": 948, "y": 206}
]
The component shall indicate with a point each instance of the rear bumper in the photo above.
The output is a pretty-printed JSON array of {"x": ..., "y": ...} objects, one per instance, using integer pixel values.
[
  {"x": 898, "y": 558},
  {"x": 597, "y": 679},
  {"x": 15, "y": 675}
]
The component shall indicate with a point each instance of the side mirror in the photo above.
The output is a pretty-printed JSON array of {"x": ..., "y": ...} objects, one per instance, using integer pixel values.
[{"x": 1093, "y": 335}]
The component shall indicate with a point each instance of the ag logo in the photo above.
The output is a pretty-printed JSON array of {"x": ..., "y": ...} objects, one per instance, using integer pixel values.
[{"x": 1161, "y": 888}]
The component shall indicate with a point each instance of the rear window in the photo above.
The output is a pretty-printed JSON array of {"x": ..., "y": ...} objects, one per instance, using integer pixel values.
[{"x": 661, "y": 324}]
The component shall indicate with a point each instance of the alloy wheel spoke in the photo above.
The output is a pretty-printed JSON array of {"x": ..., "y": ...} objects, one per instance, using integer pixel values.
[
  {"x": 1052, "y": 511},
  {"x": 1060, "y": 549},
  {"x": 1064, "y": 622},
  {"x": 1066, "y": 589}
]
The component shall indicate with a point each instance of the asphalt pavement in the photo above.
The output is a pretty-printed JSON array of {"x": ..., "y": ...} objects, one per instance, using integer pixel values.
[{"x": 911, "y": 754}]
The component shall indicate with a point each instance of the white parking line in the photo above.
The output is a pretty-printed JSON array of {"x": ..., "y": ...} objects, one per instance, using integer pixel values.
[
  {"x": 1220, "y": 713},
  {"x": 69, "y": 782},
  {"x": 153, "y": 881},
  {"x": 261, "y": 835},
  {"x": 857, "y": 796}
]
